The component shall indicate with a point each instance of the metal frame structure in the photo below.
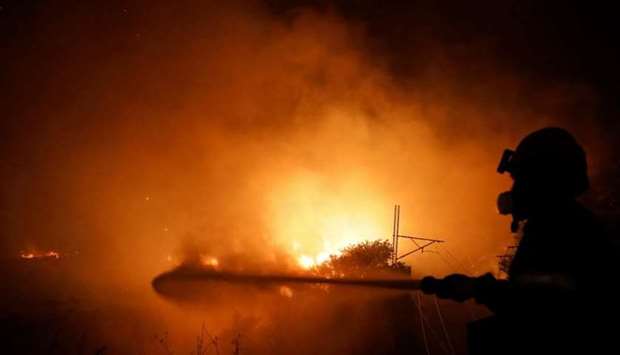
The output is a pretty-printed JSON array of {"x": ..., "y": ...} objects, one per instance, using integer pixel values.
[{"x": 420, "y": 243}]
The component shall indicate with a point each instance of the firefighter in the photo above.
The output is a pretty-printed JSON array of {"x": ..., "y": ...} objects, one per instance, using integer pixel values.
[{"x": 537, "y": 309}]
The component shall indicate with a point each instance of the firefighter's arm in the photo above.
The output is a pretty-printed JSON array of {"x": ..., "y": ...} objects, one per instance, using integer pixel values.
[
  {"x": 456, "y": 287},
  {"x": 494, "y": 293}
]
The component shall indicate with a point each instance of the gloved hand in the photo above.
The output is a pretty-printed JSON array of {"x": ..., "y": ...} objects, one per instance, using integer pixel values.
[{"x": 456, "y": 287}]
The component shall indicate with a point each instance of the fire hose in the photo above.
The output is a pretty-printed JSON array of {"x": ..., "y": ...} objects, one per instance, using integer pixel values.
[
  {"x": 168, "y": 282},
  {"x": 182, "y": 276}
]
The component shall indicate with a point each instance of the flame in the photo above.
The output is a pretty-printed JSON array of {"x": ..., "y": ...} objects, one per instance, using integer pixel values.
[
  {"x": 306, "y": 261},
  {"x": 38, "y": 255},
  {"x": 209, "y": 261},
  {"x": 323, "y": 220},
  {"x": 53, "y": 254}
]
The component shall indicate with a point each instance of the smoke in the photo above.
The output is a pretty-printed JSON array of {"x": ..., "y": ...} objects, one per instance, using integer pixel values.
[
  {"x": 149, "y": 133},
  {"x": 257, "y": 134},
  {"x": 260, "y": 135}
]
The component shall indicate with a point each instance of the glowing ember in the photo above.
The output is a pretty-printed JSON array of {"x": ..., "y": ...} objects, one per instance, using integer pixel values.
[
  {"x": 36, "y": 255},
  {"x": 53, "y": 254}
]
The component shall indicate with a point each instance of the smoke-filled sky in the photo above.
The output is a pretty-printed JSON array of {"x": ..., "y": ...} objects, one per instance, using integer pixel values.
[{"x": 272, "y": 132}]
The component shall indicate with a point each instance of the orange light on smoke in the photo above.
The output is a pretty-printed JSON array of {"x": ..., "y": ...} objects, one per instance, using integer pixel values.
[{"x": 286, "y": 292}]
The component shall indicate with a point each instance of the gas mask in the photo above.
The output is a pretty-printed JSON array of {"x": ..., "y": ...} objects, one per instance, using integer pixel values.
[
  {"x": 505, "y": 206},
  {"x": 504, "y": 203},
  {"x": 505, "y": 200}
]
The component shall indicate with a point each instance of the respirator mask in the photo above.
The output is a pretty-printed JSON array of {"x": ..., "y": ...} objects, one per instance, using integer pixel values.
[
  {"x": 504, "y": 203},
  {"x": 505, "y": 200}
]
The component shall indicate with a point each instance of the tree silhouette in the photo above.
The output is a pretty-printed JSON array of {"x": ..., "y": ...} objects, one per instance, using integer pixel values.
[{"x": 368, "y": 258}]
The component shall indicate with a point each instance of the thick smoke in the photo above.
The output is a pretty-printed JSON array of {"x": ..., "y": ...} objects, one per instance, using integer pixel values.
[
  {"x": 234, "y": 128},
  {"x": 155, "y": 131}
]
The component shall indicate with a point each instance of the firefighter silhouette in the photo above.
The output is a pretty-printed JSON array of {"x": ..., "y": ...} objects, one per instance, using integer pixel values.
[{"x": 556, "y": 292}]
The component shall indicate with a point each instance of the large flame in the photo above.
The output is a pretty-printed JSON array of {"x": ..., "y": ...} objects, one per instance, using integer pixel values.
[{"x": 314, "y": 221}]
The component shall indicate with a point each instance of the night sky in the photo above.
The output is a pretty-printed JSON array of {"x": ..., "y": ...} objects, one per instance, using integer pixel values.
[{"x": 551, "y": 41}]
